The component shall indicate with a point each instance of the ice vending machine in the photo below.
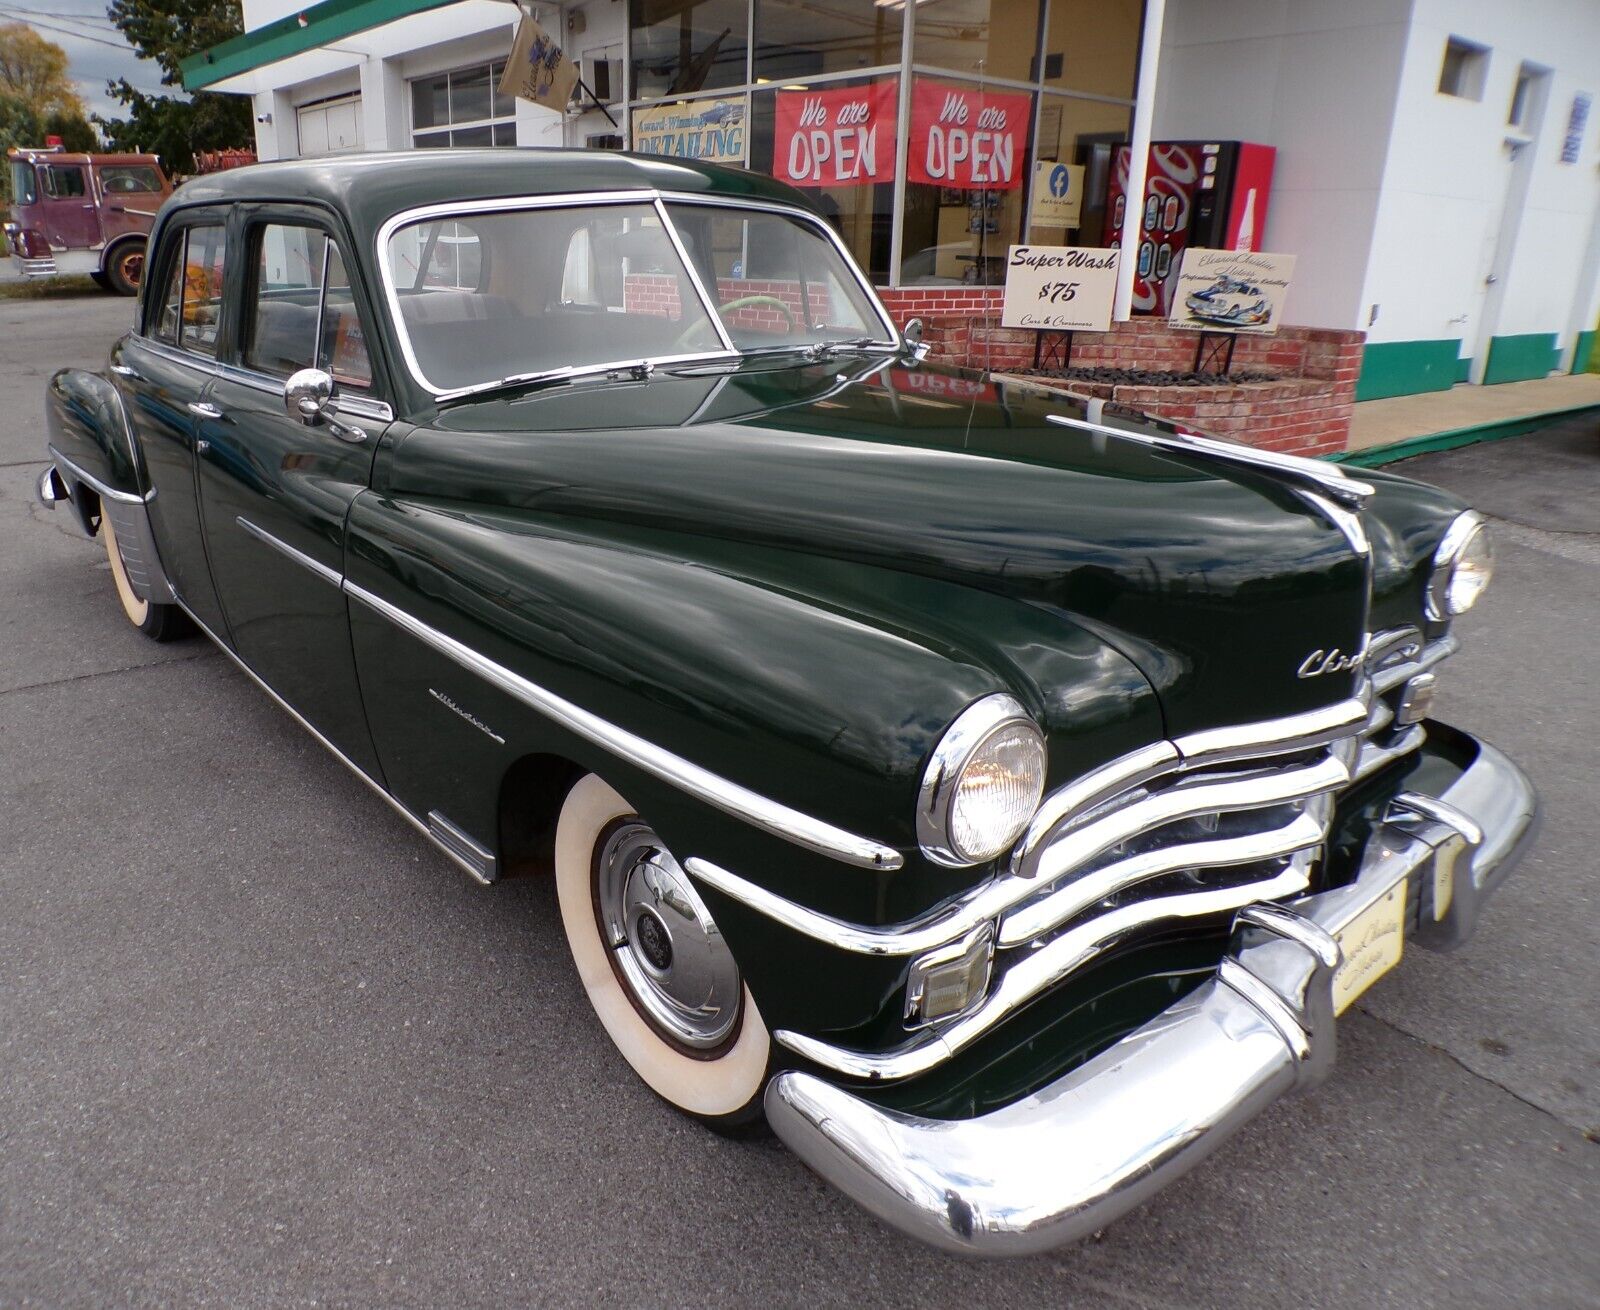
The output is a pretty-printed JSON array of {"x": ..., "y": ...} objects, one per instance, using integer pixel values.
[{"x": 1210, "y": 194}]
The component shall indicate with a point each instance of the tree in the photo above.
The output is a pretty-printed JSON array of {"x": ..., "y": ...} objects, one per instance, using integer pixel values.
[
  {"x": 34, "y": 71},
  {"x": 174, "y": 127},
  {"x": 19, "y": 126}
]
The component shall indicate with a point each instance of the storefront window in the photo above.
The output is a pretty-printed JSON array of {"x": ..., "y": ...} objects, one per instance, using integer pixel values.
[
  {"x": 836, "y": 142},
  {"x": 463, "y": 108},
  {"x": 988, "y": 38},
  {"x": 1091, "y": 46},
  {"x": 800, "y": 38},
  {"x": 967, "y": 181},
  {"x": 1083, "y": 135},
  {"x": 683, "y": 46}
]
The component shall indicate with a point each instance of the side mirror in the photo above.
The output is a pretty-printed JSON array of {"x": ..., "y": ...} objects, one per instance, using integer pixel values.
[
  {"x": 308, "y": 396},
  {"x": 912, "y": 335}
]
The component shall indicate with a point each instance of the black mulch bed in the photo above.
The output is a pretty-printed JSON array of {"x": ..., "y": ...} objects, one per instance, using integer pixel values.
[{"x": 1148, "y": 377}]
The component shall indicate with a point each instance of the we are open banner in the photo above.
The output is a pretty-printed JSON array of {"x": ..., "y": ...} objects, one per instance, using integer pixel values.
[
  {"x": 836, "y": 136},
  {"x": 967, "y": 138}
]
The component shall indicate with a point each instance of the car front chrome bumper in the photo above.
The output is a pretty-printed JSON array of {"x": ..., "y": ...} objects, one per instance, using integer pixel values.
[{"x": 1068, "y": 1159}]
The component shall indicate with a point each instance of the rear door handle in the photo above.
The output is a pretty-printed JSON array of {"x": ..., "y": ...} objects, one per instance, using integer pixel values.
[{"x": 204, "y": 409}]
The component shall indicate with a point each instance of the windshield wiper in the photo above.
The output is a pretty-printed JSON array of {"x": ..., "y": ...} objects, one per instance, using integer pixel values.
[
  {"x": 639, "y": 370},
  {"x": 818, "y": 350}
]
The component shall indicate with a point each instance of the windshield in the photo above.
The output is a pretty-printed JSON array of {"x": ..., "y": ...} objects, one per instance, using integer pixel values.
[{"x": 487, "y": 297}]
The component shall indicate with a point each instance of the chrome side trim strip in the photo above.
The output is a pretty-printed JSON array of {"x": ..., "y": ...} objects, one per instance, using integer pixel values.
[
  {"x": 305, "y": 561},
  {"x": 337, "y": 754},
  {"x": 95, "y": 484},
  {"x": 1329, "y": 478},
  {"x": 1034, "y": 974},
  {"x": 476, "y": 858},
  {"x": 769, "y": 815}
]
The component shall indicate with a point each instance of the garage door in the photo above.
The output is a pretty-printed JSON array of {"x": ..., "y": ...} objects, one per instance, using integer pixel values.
[{"x": 330, "y": 127}]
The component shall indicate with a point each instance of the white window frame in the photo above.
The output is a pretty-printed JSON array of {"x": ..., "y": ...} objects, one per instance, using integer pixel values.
[{"x": 440, "y": 132}]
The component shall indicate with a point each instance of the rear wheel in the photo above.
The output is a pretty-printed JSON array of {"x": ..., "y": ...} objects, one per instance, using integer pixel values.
[
  {"x": 158, "y": 622},
  {"x": 660, "y": 976},
  {"x": 124, "y": 268}
]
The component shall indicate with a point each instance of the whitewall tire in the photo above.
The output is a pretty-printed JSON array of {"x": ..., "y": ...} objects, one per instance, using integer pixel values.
[{"x": 653, "y": 963}]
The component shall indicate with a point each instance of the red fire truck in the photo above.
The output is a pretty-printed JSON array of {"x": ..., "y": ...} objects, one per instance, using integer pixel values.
[{"x": 83, "y": 213}]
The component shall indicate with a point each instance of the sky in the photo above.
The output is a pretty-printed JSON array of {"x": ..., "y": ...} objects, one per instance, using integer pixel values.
[{"x": 96, "y": 51}]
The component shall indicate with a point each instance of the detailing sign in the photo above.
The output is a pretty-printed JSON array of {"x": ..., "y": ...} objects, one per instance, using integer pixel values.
[
  {"x": 968, "y": 138},
  {"x": 836, "y": 136},
  {"x": 712, "y": 131},
  {"x": 1231, "y": 291},
  {"x": 1057, "y": 194},
  {"x": 1060, "y": 288}
]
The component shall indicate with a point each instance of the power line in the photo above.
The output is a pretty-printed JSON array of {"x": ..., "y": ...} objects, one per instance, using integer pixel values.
[
  {"x": 29, "y": 17},
  {"x": 77, "y": 15}
]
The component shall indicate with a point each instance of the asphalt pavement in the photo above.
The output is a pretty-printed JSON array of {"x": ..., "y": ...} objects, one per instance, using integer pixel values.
[{"x": 261, "y": 1045}]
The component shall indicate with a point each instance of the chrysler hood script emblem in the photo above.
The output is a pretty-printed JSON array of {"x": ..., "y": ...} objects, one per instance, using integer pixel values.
[{"x": 1329, "y": 661}]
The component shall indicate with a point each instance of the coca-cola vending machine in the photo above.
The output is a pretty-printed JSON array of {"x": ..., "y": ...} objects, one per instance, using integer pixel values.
[{"x": 1209, "y": 194}]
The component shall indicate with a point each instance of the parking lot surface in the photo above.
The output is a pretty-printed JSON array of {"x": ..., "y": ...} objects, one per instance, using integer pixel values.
[{"x": 261, "y": 1045}]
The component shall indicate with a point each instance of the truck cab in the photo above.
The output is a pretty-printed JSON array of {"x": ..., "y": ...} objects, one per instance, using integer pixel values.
[{"x": 83, "y": 213}]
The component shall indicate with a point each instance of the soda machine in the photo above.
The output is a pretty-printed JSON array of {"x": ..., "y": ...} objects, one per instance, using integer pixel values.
[{"x": 1208, "y": 194}]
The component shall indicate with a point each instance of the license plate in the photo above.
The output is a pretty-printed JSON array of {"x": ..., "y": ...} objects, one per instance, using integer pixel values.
[{"x": 1371, "y": 943}]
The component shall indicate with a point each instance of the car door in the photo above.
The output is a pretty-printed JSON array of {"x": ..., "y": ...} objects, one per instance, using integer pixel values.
[
  {"x": 275, "y": 491},
  {"x": 163, "y": 372},
  {"x": 68, "y": 207}
]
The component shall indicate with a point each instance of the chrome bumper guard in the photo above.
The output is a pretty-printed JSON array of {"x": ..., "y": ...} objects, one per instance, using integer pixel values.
[{"x": 1067, "y": 1160}]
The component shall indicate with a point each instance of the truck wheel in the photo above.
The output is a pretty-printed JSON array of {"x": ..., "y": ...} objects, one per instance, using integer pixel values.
[
  {"x": 158, "y": 622},
  {"x": 124, "y": 268},
  {"x": 657, "y": 970}
]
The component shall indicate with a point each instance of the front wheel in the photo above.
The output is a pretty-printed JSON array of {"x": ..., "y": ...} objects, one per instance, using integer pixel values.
[
  {"x": 124, "y": 268},
  {"x": 662, "y": 980},
  {"x": 158, "y": 622}
]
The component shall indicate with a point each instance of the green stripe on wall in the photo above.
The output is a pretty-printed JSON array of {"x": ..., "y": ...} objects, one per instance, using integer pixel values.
[
  {"x": 1464, "y": 368},
  {"x": 1403, "y": 368},
  {"x": 1585, "y": 352},
  {"x": 1516, "y": 359}
]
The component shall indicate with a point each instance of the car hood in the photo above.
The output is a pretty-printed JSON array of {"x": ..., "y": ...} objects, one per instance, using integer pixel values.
[{"x": 1216, "y": 580}]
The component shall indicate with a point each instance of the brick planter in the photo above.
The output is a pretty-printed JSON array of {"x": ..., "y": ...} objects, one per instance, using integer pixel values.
[{"x": 1307, "y": 411}]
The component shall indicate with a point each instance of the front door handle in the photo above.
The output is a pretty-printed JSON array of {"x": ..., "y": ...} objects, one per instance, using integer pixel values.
[{"x": 204, "y": 409}]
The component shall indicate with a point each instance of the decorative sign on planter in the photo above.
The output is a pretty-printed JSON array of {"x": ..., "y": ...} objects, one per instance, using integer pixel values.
[
  {"x": 712, "y": 131},
  {"x": 1057, "y": 194},
  {"x": 1231, "y": 291},
  {"x": 841, "y": 136},
  {"x": 1060, "y": 288},
  {"x": 968, "y": 138}
]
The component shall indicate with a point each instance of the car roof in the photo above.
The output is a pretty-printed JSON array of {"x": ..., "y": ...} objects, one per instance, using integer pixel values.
[{"x": 369, "y": 188}]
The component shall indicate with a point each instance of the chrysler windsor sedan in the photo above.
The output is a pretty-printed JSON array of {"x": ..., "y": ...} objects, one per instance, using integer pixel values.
[{"x": 997, "y": 793}]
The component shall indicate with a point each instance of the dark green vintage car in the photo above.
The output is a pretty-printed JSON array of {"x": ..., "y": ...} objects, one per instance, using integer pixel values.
[{"x": 998, "y": 792}]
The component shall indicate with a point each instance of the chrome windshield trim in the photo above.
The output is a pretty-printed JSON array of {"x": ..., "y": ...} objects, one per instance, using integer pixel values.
[
  {"x": 1293, "y": 732},
  {"x": 1330, "y": 478},
  {"x": 331, "y": 576},
  {"x": 1034, "y": 974},
  {"x": 95, "y": 484},
  {"x": 728, "y": 796},
  {"x": 645, "y": 196}
]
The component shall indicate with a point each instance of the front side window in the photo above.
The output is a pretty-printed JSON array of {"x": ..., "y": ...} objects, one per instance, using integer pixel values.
[
  {"x": 171, "y": 301},
  {"x": 301, "y": 311},
  {"x": 64, "y": 181}
]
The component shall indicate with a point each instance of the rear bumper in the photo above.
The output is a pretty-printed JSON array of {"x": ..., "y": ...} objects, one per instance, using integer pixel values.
[{"x": 1065, "y": 1161}]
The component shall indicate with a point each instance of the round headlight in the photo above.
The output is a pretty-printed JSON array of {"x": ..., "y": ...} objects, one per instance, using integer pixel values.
[
  {"x": 982, "y": 785},
  {"x": 1462, "y": 567}
]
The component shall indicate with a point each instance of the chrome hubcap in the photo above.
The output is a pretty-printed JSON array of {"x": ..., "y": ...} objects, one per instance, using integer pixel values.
[{"x": 668, "y": 952}]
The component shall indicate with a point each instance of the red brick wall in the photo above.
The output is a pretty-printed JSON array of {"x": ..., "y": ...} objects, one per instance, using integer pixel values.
[{"x": 1307, "y": 412}]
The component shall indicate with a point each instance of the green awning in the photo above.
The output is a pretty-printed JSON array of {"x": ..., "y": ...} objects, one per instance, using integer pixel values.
[{"x": 316, "y": 25}]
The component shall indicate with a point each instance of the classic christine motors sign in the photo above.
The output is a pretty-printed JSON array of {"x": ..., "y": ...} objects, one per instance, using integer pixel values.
[
  {"x": 962, "y": 138},
  {"x": 1060, "y": 288}
]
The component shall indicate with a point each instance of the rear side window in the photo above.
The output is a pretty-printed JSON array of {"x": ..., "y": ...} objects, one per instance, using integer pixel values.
[
  {"x": 201, "y": 315},
  {"x": 302, "y": 312},
  {"x": 129, "y": 179}
]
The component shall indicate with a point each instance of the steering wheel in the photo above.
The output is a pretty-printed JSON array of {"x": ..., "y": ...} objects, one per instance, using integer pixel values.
[{"x": 739, "y": 303}]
